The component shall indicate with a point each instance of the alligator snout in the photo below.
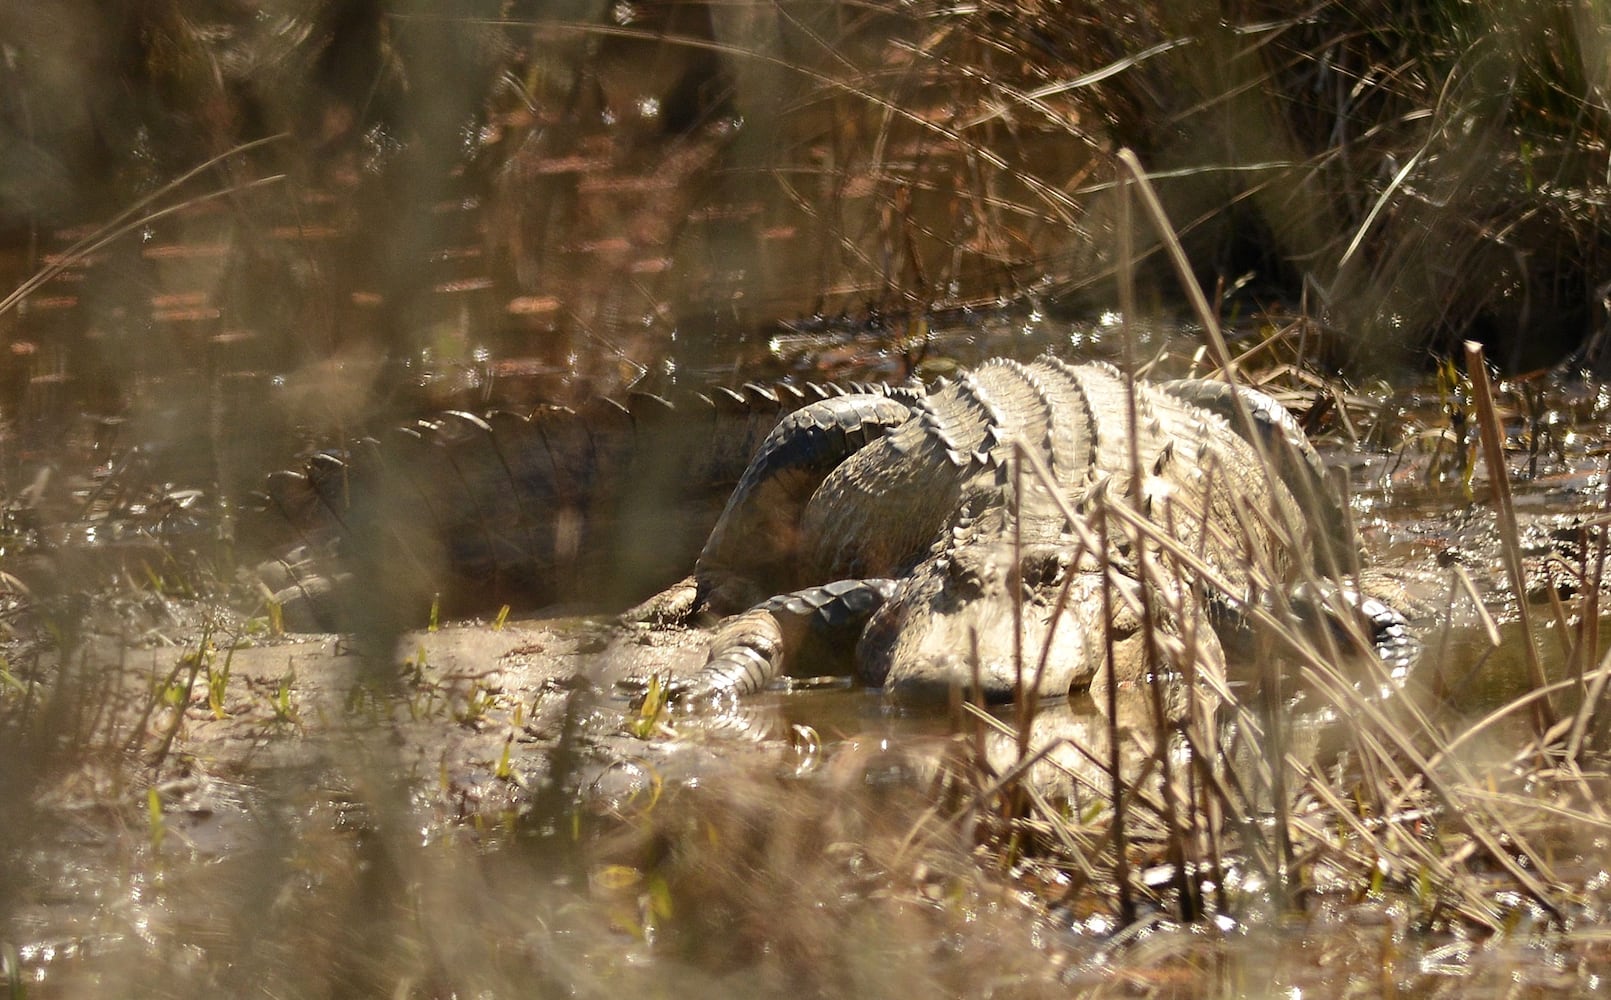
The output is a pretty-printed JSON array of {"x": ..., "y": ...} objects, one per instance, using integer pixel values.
[
  {"x": 936, "y": 636},
  {"x": 932, "y": 680}
]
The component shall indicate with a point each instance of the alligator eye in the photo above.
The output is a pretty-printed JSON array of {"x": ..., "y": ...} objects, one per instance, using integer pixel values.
[
  {"x": 965, "y": 575},
  {"x": 1044, "y": 568}
]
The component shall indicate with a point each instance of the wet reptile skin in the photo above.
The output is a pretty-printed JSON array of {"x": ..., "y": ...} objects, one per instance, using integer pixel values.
[{"x": 968, "y": 572}]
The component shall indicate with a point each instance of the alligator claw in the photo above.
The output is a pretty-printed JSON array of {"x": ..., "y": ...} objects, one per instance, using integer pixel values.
[{"x": 634, "y": 688}]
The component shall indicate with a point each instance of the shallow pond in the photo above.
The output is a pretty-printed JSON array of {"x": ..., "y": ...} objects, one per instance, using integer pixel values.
[{"x": 268, "y": 817}]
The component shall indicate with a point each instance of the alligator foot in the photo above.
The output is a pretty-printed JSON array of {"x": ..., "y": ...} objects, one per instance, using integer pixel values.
[
  {"x": 676, "y": 605},
  {"x": 747, "y": 655},
  {"x": 1356, "y": 613}
]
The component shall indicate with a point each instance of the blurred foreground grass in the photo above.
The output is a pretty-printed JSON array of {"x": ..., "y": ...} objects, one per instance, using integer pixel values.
[{"x": 235, "y": 229}]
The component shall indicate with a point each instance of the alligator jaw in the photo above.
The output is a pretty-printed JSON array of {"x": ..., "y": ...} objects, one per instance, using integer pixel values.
[{"x": 933, "y": 681}]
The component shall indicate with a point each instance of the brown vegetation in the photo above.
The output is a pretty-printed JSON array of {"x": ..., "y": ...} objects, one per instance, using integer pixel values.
[{"x": 215, "y": 213}]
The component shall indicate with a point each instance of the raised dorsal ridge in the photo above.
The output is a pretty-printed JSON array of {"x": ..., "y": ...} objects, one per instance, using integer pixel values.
[{"x": 1165, "y": 455}]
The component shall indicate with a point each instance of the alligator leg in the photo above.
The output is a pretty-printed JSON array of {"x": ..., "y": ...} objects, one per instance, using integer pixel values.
[
  {"x": 755, "y": 548},
  {"x": 1362, "y": 613},
  {"x": 752, "y": 650},
  {"x": 757, "y": 537},
  {"x": 1370, "y": 607}
]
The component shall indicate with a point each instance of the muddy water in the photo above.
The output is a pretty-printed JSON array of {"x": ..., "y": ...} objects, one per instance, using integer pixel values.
[
  {"x": 319, "y": 831},
  {"x": 309, "y": 829},
  {"x": 298, "y": 863}
]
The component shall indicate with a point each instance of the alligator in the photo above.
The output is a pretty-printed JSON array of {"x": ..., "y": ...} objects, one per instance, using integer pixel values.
[
  {"x": 988, "y": 536},
  {"x": 909, "y": 525}
]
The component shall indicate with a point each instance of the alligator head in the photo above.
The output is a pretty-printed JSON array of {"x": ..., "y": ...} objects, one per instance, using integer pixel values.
[{"x": 953, "y": 624}]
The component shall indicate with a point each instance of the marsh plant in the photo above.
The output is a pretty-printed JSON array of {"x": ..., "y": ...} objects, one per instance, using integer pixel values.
[{"x": 238, "y": 237}]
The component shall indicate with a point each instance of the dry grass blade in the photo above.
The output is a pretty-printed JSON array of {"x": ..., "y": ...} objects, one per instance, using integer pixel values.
[
  {"x": 1531, "y": 805},
  {"x": 1588, "y": 645},
  {"x": 1493, "y": 449},
  {"x": 1376, "y": 208},
  {"x": 1111, "y": 688},
  {"x": 1127, "y": 908},
  {"x": 129, "y": 220},
  {"x": 1033, "y": 98},
  {"x": 1525, "y": 701},
  {"x": 1188, "y": 890},
  {"x": 1479, "y": 910},
  {"x": 1291, "y": 520},
  {"x": 1344, "y": 696},
  {"x": 1177, "y": 256}
]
